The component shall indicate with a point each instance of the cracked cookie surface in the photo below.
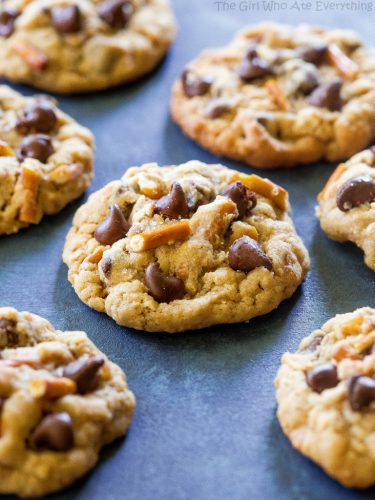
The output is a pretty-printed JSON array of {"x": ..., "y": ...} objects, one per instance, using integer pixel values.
[
  {"x": 347, "y": 204},
  {"x": 46, "y": 159},
  {"x": 61, "y": 400},
  {"x": 326, "y": 397},
  {"x": 68, "y": 46},
  {"x": 184, "y": 247},
  {"x": 279, "y": 96}
]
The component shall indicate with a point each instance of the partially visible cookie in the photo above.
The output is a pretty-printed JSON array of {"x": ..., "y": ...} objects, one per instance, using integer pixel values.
[
  {"x": 61, "y": 400},
  {"x": 46, "y": 159},
  {"x": 184, "y": 247},
  {"x": 326, "y": 397},
  {"x": 347, "y": 204},
  {"x": 280, "y": 96},
  {"x": 68, "y": 46}
]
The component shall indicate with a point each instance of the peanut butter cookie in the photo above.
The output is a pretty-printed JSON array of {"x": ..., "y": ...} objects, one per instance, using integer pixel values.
[
  {"x": 68, "y": 46},
  {"x": 279, "y": 96},
  {"x": 185, "y": 247},
  {"x": 46, "y": 159},
  {"x": 61, "y": 401},
  {"x": 347, "y": 204},
  {"x": 326, "y": 397}
]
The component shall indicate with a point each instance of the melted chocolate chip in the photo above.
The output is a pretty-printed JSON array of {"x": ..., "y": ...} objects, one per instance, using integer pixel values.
[
  {"x": 308, "y": 83},
  {"x": 355, "y": 192},
  {"x": 84, "y": 372},
  {"x": 361, "y": 391},
  {"x": 106, "y": 266},
  {"x": 328, "y": 95},
  {"x": 245, "y": 254},
  {"x": 36, "y": 146},
  {"x": 316, "y": 341},
  {"x": 7, "y": 19},
  {"x": 54, "y": 432},
  {"x": 66, "y": 18},
  {"x": 174, "y": 205},
  {"x": 250, "y": 70},
  {"x": 161, "y": 287},
  {"x": 321, "y": 377},
  {"x": 114, "y": 228},
  {"x": 241, "y": 195},
  {"x": 2, "y": 401},
  {"x": 314, "y": 54},
  {"x": 251, "y": 52},
  {"x": 39, "y": 117},
  {"x": 195, "y": 85},
  {"x": 116, "y": 13}
]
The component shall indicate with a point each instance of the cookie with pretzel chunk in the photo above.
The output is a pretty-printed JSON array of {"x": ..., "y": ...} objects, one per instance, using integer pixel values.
[
  {"x": 347, "y": 204},
  {"x": 61, "y": 401},
  {"x": 184, "y": 247},
  {"x": 280, "y": 96},
  {"x": 46, "y": 159},
  {"x": 69, "y": 46},
  {"x": 326, "y": 397}
]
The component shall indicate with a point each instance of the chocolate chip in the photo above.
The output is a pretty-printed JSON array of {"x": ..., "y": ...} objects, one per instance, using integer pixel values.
[
  {"x": 251, "y": 52},
  {"x": 241, "y": 195},
  {"x": 308, "y": 83},
  {"x": 7, "y": 19},
  {"x": 66, "y": 18},
  {"x": 36, "y": 146},
  {"x": 321, "y": 377},
  {"x": 84, "y": 372},
  {"x": 8, "y": 335},
  {"x": 250, "y": 70},
  {"x": 316, "y": 341},
  {"x": 361, "y": 391},
  {"x": 106, "y": 266},
  {"x": 161, "y": 287},
  {"x": 328, "y": 95},
  {"x": 54, "y": 432},
  {"x": 174, "y": 205},
  {"x": 245, "y": 254},
  {"x": 116, "y": 13},
  {"x": 2, "y": 401},
  {"x": 355, "y": 192},
  {"x": 194, "y": 85},
  {"x": 217, "y": 108},
  {"x": 114, "y": 228},
  {"x": 39, "y": 117},
  {"x": 314, "y": 54}
]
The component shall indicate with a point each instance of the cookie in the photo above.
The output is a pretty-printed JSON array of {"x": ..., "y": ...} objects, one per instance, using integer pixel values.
[
  {"x": 46, "y": 159},
  {"x": 326, "y": 397},
  {"x": 280, "y": 96},
  {"x": 61, "y": 401},
  {"x": 184, "y": 247},
  {"x": 67, "y": 46},
  {"x": 347, "y": 204}
]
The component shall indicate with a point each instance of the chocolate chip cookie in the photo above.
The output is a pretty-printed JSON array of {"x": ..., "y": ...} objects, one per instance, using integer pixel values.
[
  {"x": 326, "y": 397},
  {"x": 347, "y": 204},
  {"x": 279, "y": 96},
  {"x": 61, "y": 400},
  {"x": 68, "y": 46},
  {"x": 184, "y": 247},
  {"x": 46, "y": 159}
]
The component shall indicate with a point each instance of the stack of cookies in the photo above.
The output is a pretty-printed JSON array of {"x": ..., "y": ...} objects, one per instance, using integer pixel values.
[{"x": 182, "y": 247}]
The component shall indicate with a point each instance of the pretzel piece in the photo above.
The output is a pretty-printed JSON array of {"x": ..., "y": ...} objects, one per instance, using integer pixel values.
[
  {"x": 30, "y": 180},
  {"x": 266, "y": 188},
  {"x": 52, "y": 387},
  {"x": 277, "y": 95},
  {"x": 164, "y": 235},
  {"x": 344, "y": 65}
]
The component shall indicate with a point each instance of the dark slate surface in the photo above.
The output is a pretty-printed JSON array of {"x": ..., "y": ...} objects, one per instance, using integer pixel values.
[{"x": 205, "y": 425}]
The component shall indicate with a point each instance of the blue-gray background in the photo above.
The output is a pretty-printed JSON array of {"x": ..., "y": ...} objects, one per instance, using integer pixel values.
[{"x": 205, "y": 425}]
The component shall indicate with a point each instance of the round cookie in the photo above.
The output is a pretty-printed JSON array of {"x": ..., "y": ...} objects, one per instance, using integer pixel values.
[
  {"x": 347, "y": 204},
  {"x": 46, "y": 159},
  {"x": 280, "y": 96},
  {"x": 326, "y": 397},
  {"x": 61, "y": 401},
  {"x": 184, "y": 247},
  {"x": 68, "y": 46}
]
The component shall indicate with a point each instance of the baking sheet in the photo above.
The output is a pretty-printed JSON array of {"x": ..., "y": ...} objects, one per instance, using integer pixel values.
[{"x": 205, "y": 425}]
